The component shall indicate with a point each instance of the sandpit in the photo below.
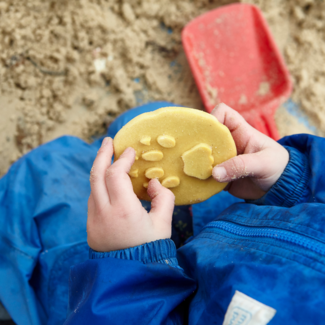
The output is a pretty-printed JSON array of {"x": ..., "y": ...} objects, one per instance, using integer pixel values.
[{"x": 70, "y": 67}]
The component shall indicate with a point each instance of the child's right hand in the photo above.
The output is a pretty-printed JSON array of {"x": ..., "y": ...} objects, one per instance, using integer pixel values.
[
  {"x": 116, "y": 218},
  {"x": 260, "y": 161}
]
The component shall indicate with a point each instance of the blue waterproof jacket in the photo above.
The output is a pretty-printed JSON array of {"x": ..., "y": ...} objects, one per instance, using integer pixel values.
[{"x": 272, "y": 249}]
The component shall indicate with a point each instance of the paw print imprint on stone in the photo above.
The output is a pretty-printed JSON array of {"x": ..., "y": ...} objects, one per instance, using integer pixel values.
[
  {"x": 165, "y": 141},
  {"x": 198, "y": 161}
]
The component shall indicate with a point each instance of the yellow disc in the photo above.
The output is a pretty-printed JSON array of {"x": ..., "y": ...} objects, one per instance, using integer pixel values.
[{"x": 188, "y": 141}]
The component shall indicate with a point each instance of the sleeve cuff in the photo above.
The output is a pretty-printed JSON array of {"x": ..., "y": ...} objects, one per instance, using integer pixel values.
[
  {"x": 292, "y": 184},
  {"x": 160, "y": 251}
]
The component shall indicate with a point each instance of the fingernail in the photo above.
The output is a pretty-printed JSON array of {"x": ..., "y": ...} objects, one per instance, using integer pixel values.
[
  {"x": 219, "y": 173},
  {"x": 106, "y": 141},
  {"x": 154, "y": 180},
  {"x": 215, "y": 108}
]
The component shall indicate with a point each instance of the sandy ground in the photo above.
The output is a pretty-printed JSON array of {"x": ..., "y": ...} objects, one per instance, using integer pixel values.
[{"x": 70, "y": 67}]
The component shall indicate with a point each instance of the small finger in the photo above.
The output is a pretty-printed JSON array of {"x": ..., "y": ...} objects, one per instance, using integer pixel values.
[
  {"x": 249, "y": 165},
  {"x": 247, "y": 139},
  {"x": 229, "y": 117},
  {"x": 97, "y": 173},
  {"x": 162, "y": 204},
  {"x": 118, "y": 182}
]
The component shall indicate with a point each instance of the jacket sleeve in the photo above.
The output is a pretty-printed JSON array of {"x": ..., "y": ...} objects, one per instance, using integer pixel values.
[
  {"x": 138, "y": 285},
  {"x": 303, "y": 180}
]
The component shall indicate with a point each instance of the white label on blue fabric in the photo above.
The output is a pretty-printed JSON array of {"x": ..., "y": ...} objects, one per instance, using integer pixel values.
[{"x": 244, "y": 310}]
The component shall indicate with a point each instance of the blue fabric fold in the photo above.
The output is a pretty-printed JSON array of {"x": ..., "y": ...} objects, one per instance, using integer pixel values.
[
  {"x": 160, "y": 251},
  {"x": 119, "y": 291},
  {"x": 292, "y": 184}
]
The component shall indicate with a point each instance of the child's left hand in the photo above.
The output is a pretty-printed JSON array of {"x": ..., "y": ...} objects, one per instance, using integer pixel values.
[{"x": 116, "y": 218}]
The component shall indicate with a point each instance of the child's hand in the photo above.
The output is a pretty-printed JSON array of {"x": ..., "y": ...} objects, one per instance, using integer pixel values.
[
  {"x": 116, "y": 218},
  {"x": 260, "y": 161}
]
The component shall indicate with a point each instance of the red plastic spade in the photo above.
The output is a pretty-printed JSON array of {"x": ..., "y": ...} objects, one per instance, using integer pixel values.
[{"x": 234, "y": 59}]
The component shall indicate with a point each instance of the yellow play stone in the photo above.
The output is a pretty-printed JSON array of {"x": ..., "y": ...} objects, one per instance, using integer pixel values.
[{"x": 185, "y": 144}]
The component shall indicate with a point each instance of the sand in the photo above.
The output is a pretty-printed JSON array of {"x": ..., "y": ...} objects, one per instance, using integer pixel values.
[
  {"x": 70, "y": 67},
  {"x": 298, "y": 28}
]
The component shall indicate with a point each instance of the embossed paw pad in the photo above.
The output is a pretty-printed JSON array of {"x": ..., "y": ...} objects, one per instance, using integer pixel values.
[
  {"x": 166, "y": 141},
  {"x": 198, "y": 161},
  {"x": 134, "y": 173},
  {"x": 145, "y": 140},
  {"x": 152, "y": 155},
  {"x": 154, "y": 172},
  {"x": 170, "y": 182}
]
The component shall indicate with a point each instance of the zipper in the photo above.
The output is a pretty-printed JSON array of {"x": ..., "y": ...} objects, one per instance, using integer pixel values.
[{"x": 279, "y": 234}]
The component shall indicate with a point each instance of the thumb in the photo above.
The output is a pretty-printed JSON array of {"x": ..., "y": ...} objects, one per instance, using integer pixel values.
[
  {"x": 162, "y": 204},
  {"x": 247, "y": 165}
]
